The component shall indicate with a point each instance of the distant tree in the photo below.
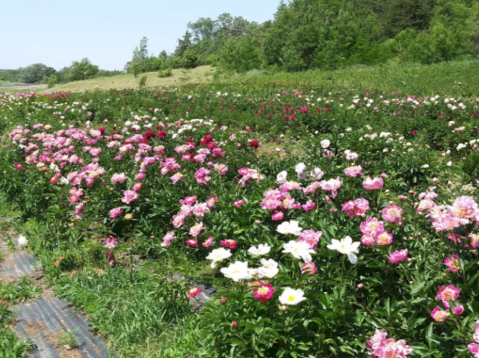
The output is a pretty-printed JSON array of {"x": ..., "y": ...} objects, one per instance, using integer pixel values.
[
  {"x": 142, "y": 82},
  {"x": 81, "y": 70},
  {"x": 135, "y": 68},
  {"x": 190, "y": 59},
  {"x": 52, "y": 81},
  {"x": 35, "y": 73},
  {"x": 183, "y": 44}
]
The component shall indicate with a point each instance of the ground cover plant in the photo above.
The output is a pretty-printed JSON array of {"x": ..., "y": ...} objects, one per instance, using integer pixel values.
[{"x": 333, "y": 222}]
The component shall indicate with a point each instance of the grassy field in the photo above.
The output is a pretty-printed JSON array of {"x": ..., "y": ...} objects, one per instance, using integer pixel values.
[{"x": 202, "y": 74}]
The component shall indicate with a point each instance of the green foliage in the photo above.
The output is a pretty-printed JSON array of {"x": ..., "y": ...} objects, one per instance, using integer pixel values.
[
  {"x": 35, "y": 73},
  {"x": 135, "y": 69},
  {"x": 142, "y": 81},
  {"x": 52, "y": 81},
  {"x": 81, "y": 70},
  {"x": 19, "y": 291},
  {"x": 189, "y": 59},
  {"x": 10, "y": 345},
  {"x": 165, "y": 73}
]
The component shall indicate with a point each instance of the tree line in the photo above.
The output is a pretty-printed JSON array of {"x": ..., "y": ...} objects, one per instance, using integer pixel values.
[{"x": 326, "y": 34}]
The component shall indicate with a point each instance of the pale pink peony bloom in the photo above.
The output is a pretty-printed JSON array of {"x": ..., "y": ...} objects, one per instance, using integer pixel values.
[
  {"x": 129, "y": 196},
  {"x": 439, "y": 315},
  {"x": 118, "y": 178},
  {"x": 136, "y": 186},
  {"x": 331, "y": 185},
  {"x": 111, "y": 243},
  {"x": 115, "y": 212},
  {"x": 368, "y": 240},
  {"x": 373, "y": 184},
  {"x": 311, "y": 237},
  {"x": 176, "y": 178},
  {"x": 398, "y": 256},
  {"x": 371, "y": 227},
  {"x": 393, "y": 214},
  {"x": 392, "y": 349},
  {"x": 476, "y": 332},
  {"x": 354, "y": 171},
  {"x": 464, "y": 208},
  {"x": 357, "y": 207},
  {"x": 167, "y": 238},
  {"x": 211, "y": 201},
  {"x": 178, "y": 220},
  {"x": 384, "y": 238},
  {"x": 474, "y": 241},
  {"x": 376, "y": 341},
  {"x": 448, "y": 293},
  {"x": 200, "y": 209},
  {"x": 140, "y": 176},
  {"x": 196, "y": 229}
]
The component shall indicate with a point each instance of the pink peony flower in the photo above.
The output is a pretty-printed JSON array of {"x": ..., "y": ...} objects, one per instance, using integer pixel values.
[
  {"x": 136, "y": 186},
  {"x": 392, "y": 349},
  {"x": 178, "y": 220},
  {"x": 229, "y": 243},
  {"x": 196, "y": 229},
  {"x": 278, "y": 215},
  {"x": 129, "y": 196},
  {"x": 448, "y": 293},
  {"x": 368, "y": 240},
  {"x": 118, "y": 178},
  {"x": 264, "y": 292},
  {"x": 452, "y": 263},
  {"x": 458, "y": 310},
  {"x": 371, "y": 227},
  {"x": 176, "y": 178},
  {"x": 308, "y": 206},
  {"x": 357, "y": 207},
  {"x": 192, "y": 242},
  {"x": 167, "y": 239},
  {"x": 211, "y": 201},
  {"x": 398, "y": 256},
  {"x": 331, "y": 185},
  {"x": 376, "y": 341},
  {"x": 439, "y": 315},
  {"x": 189, "y": 200},
  {"x": 393, "y": 214},
  {"x": 353, "y": 171},
  {"x": 238, "y": 203},
  {"x": 464, "y": 208},
  {"x": 474, "y": 349},
  {"x": 309, "y": 268},
  {"x": 311, "y": 237},
  {"x": 115, "y": 212},
  {"x": 140, "y": 176},
  {"x": 208, "y": 242},
  {"x": 373, "y": 184},
  {"x": 194, "y": 291},
  {"x": 384, "y": 238},
  {"x": 111, "y": 243}
]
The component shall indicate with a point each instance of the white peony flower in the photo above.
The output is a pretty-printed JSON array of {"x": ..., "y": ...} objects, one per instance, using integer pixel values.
[
  {"x": 291, "y": 296},
  {"x": 269, "y": 269},
  {"x": 301, "y": 170},
  {"x": 281, "y": 177},
  {"x": 261, "y": 250},
  {"x": 325, "y": 143},
  {"x": 237, "y": 271},
  {"x": 218, "y": 255},
  {"x": 316, "y": 174},
  {"x": 299, "y": 250},
  {"x": 347, "y": 247},
  {"x": 22, "y": 241},
  {"x": 289, "y": 227}
]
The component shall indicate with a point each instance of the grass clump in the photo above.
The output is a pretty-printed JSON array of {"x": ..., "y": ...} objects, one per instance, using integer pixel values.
[{"x": 19, "y": 291}]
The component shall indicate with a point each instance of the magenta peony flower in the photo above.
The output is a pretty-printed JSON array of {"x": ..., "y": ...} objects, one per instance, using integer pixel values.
[
  {"x": 238, "y": 203},
  {"x": 398, "y": 256},
  {"x": 452, "y": 263},
  {"x": 192, "y": 242},
  {"x": 448, "y": 293},
  {"x": 136, "y": 186},
  {"x": 194, "y": 291},
  {"x": 278, "y": 215},
  {"x": 458, "y": 310},
  {"x": 264, "y": 292},
  {"x": 208, "y": 242},
  {"x": 308, "y": 206},
  {"x": 115, "y": 212}
]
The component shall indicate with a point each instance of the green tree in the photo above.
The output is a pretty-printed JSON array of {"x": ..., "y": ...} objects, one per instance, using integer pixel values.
[
  {"x": 35, "y": 73},
  {"x": 81, "y": 70}
]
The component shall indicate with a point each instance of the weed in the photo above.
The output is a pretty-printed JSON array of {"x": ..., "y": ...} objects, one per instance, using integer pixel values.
[{"x": 20, "y": 291}]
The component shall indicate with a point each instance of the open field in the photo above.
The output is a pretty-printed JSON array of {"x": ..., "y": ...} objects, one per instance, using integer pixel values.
[
  {"x": 201, "y": 74},
  {"x": 335, "y": 213}
]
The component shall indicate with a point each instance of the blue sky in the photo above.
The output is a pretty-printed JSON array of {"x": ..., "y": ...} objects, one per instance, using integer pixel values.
[{"x": 106, "y": 31}]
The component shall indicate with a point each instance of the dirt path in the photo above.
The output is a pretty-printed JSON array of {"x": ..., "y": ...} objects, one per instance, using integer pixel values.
[{"x": 48, "y": 322}]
